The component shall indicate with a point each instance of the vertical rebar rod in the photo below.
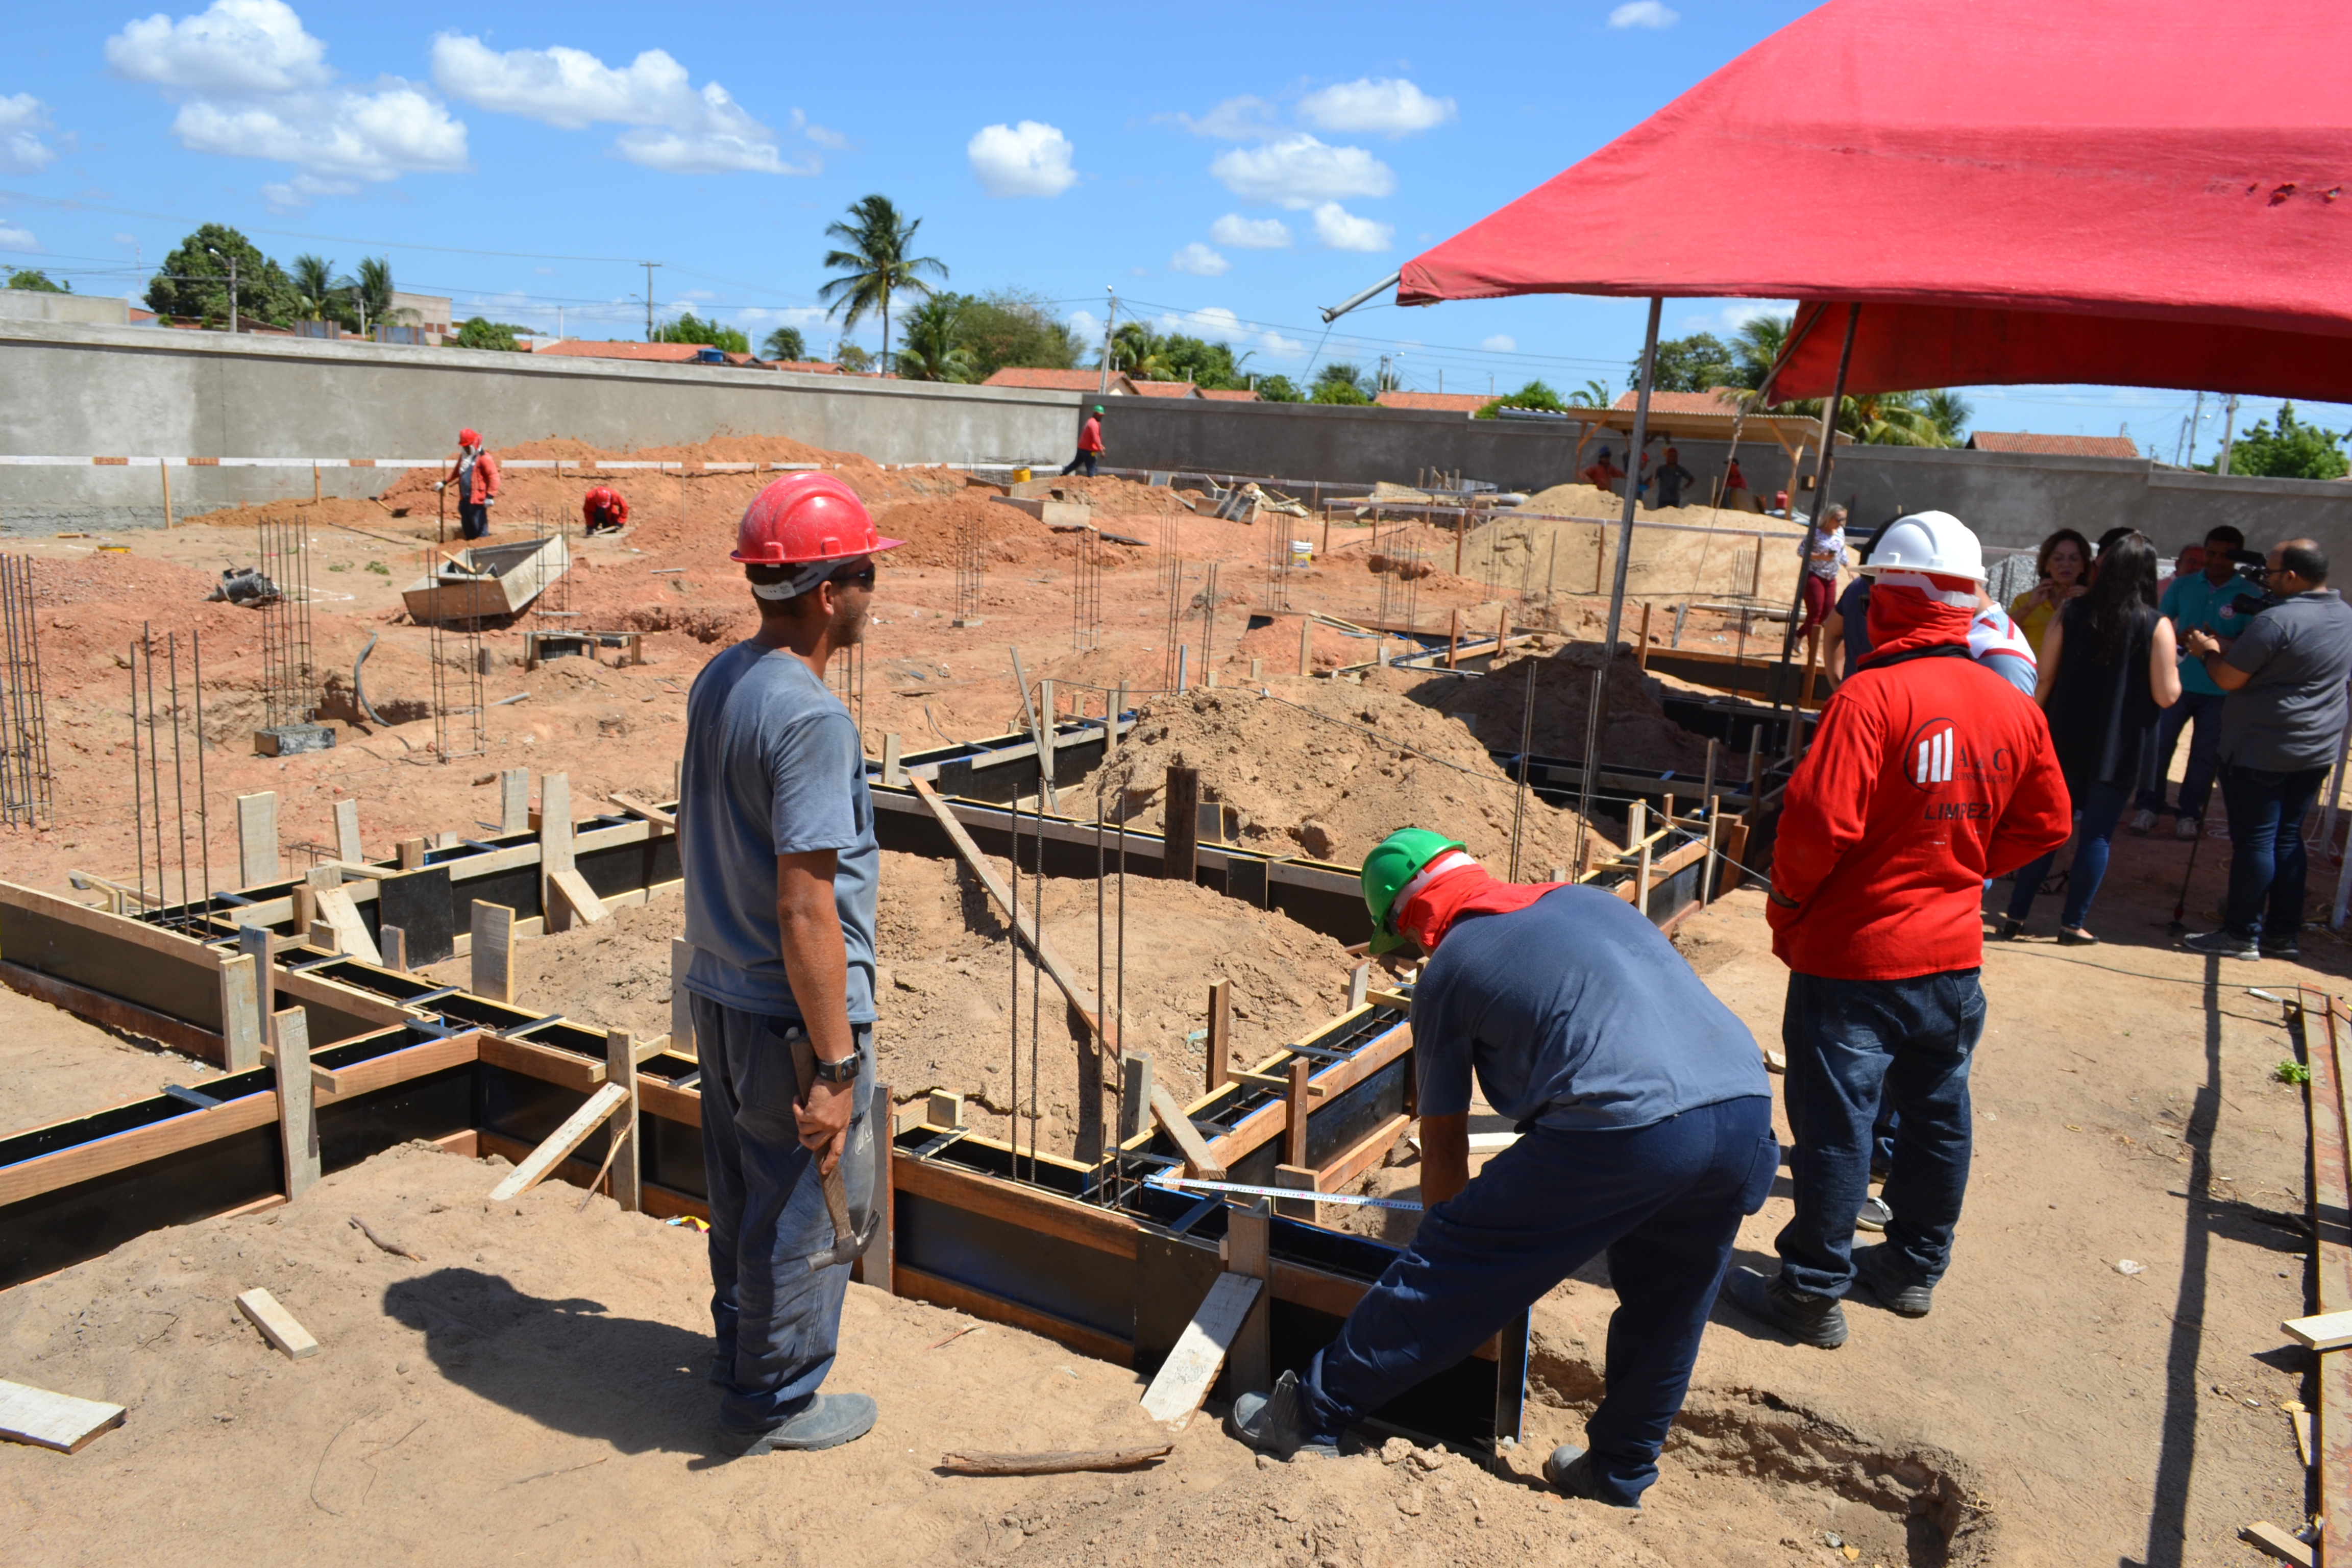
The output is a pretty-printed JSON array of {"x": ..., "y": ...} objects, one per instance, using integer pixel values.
[
  {"x": 203, "y": 800},
  {"x": 1036, "y": 967},
  {"x": 1013, "y": 1094},
  {"x": 1526, "y": 739},
  {"x": 179, "y": 779},
  {"x": 138, "y": 803},
  {"x": 154, "y": 763}
]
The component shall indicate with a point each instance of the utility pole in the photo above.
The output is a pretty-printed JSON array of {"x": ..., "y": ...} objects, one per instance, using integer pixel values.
[
  {"x": 2190, "y": 431},
  {"x": 649, "y": 266},
  {"x": 1110, "y": 329},
  {"x": 232, "y": 288},
  {"x": 2229, "y": 432}
]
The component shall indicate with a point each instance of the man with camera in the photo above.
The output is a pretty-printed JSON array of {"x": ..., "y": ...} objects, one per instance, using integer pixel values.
[
  {"x": 2282, "y": 729},
  {"x": 2222, "y": 601}
]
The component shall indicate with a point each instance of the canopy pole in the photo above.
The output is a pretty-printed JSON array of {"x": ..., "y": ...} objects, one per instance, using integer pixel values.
[
  {"x": 1334, "y": 312},
  {"x": 1617, "y": 585},
  {"x": 1824, "y": 463}
]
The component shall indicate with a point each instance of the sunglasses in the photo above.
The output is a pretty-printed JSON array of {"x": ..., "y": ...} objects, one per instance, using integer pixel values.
[{"x": 861, "y": 578}]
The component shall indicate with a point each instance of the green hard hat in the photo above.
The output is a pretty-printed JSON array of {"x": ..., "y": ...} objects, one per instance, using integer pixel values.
[
  {"x": 1394, "y": 861},
  {"x": 1098, "y": 408}
]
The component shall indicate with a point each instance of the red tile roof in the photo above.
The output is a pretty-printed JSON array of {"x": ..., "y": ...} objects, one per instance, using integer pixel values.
[
  {"x": 666, "y": 353},
  {"x": 1444, "y": 402},
  {"x": 1709, "y": 402},
  {"x": 806, "y": 366},
  {"x": 1230, "y": 394},
  {"x": 2053, "y": 446},
  {"x": 1164, "y": 388},
  {"x": 1037, "y": 379}
]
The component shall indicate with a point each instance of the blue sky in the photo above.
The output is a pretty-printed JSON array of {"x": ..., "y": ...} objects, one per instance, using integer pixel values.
[{"x": 1224, "y": 170}]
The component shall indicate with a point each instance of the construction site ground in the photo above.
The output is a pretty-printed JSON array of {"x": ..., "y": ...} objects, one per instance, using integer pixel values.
[{"x": 533, "y": 1390}]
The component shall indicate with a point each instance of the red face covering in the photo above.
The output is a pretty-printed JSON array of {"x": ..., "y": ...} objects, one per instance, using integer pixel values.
[
  {"x": 1430, "y": 913},
  {"x": 1911, "y": 610}
]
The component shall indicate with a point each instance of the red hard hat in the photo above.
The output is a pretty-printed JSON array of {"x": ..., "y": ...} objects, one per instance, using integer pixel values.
[
  {"x": 806, "y": 517},
  {"x": 469, "y": 438}
]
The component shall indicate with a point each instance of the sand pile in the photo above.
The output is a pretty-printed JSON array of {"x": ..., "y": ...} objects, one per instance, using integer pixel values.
[
  {"x": 1329, "y": 648},
  {"x": 932, "y": 527},
  {"x": 1638, "y": 733},
  {"x": 1327, "y": 770},
  {"x": 1116, "y": 496},
  {"x": 1543, "y": 555}
]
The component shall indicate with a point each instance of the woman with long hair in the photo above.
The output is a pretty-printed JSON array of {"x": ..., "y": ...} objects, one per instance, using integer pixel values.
[
  {"x": 2108, "y": 670},
  {"x": 2062, "y": 566}
]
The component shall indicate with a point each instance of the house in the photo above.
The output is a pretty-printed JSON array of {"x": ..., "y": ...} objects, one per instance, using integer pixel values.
[
  {"x": 660, "y": 353},
  {"x": 1229, "y": 394},
  {"x": 1033, "y": 379},
  {"x": 1720, "y": 400},
  {"x": 430, "y": 311},
  {"x": 1164, "y": 389},
  {"x": 1436, "y": 402},
  {"x": 2053, "y": 446}
]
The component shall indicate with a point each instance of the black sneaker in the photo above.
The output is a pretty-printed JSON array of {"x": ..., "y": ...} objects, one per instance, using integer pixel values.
[
  {"x": 1816, "y": 1320},
  {"x": 830, "y": 1420},
  {"x": 1876, "y": 1270},
  {"x": 2287, "y": 946},
  {"x": 1273, "y": 1423},
  {"x": 1570, "y": 1468},
  {"x": 2221, "y": 944}
]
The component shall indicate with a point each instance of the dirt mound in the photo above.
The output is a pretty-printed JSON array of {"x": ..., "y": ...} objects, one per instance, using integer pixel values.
[
  {"x": 1329, "y": 648},
  {"x": 1327, "y": 770},
  {"x": 932, "y": 525},
  {"x": 1116, "y": 496},
  {"x": 1638, "y": 733},
  {"x": 1545, "y": 555}
]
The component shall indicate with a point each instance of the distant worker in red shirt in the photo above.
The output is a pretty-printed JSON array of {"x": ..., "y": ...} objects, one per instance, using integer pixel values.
[
  {"x": 1930, "y": 774},
  {"x": 603, "y": 511},
  {"x": 1090, "y": 446},
  {"x": 1605, "y": 473},
  {"x": 477, "y": 479}
]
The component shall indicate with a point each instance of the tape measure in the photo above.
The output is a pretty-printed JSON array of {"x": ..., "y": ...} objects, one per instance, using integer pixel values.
[{"x": 1299, "y": 1193}]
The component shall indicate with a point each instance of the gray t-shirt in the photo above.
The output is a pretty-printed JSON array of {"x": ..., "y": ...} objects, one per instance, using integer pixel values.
[
  {"x": 1576, "y": 1014},
  {"x": 773, "y": 767},
  {"x": 2291, "y": 714}
]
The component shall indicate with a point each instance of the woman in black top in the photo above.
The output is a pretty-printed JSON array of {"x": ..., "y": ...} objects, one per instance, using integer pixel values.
[{"x": 2108, "y": 669}]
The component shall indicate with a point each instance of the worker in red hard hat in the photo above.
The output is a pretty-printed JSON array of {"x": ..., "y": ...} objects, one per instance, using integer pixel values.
[
  {"x": 603, "y": 511},
  {"x": 477, "y": 479},
  {"x": 776, "y": 841}
]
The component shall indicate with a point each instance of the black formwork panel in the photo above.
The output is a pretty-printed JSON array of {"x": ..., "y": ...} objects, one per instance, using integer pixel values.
[
  {"x": 669, "y": 1154},
  {"x": 1333, "y": 1126},
  {"x": 54, "y": 1230},
  {"x": 628, "y": 868},
  {"x": 1075, "y": 1283},
  {"x": 186, "y": 987}
]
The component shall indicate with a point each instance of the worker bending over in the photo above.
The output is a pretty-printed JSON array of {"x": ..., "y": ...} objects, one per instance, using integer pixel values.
[
  {"x": 776, "y": 839},
  {"x": 603, "y": 511},
  {"x": 1646, "y": 1133}
]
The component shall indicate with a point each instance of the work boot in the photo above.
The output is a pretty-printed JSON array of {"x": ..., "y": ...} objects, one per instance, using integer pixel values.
[
  {"x": 1275, "y": 1423},
  {"x": 829, "y": 1421},
  {"x": 1570, "y": 1468},
  {"x": 1877, "y": 1270},
  {"x": 2222, "y": 945},
  {"x": 1816, "y": 1320}
]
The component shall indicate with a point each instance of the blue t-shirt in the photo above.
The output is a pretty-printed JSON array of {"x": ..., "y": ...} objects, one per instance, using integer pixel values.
[
  {"x": 2194, "y": 603},
  {"x": 1576, "y": 1014},
  {"x": 773, "y": 767},
  {"x": 1854, "y": 605}
]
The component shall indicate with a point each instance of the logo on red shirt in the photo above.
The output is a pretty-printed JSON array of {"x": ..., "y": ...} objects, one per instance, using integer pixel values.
[{"x": 1937, "y": 754}]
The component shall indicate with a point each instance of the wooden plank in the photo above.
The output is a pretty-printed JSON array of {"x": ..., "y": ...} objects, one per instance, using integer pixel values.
[
  {"x": 394, "y": 941},
  {"x": 1199, "y": 1161},
  {"x": 2277, "y": 1543},
  {"x": 559, "y": 1143},
  {"x": 347, "y": 830},
  {"x": 643, "y": 812},
  {"x": 335, "y": 906},
  {"x": 1221, "y": 1034},
  {"x": 241, "y": 1013},
  {"x": 1365, "y": 1154},
  {"x": 113, "y": 1011},
  {"x": 1269, "y": 1120},
  {"x": 565, "y": 1069},
  {"x": 59, "y": 1421},
  {"x": 556, "y": 847},
  {"x": 1026, "y": 1207},
  {"x": 2325, "y": 1332},
  {"x": 2330, "y": 1177},
  {"x": 256, "y": 838},
  {"x": 1294, "y": 1109},
  {"x": 1186, "y": 1378},
  {"x": 621, "y": 1069},
  {"x": 492, "y": 956},
  {"x": 298, "y": 1122},
  {"x": 1248, "y": 1252},
  {"x": 276, "y": 1324},
  {"x": 681, "y": 1000},
  {"x": 120, "y": 928},
  {"x": 399, "y": 1066},
  {"x": 514, "y": 800},
  {"x": 931, "y": 1287},
  {"x": 121, "y": 1150},
  {"x": 668, "y": 1102},
  {"x": 571, "y": 901}
]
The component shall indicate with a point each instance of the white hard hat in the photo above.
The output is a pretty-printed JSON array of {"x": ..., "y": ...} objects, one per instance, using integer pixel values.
[{"x": 1931, "y": 542}]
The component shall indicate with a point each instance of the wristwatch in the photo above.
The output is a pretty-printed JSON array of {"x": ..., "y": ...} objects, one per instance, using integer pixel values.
[{"x": 840, "y": 1072}]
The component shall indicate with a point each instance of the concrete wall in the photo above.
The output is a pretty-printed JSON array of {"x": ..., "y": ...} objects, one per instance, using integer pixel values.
[
  {"x": 40, "y": 305},
  {"x": 82, "y": 391}
]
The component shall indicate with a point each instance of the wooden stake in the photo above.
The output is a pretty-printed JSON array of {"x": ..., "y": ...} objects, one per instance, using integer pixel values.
[
  {"x": 165, "y": 468},
  {"x": 256, "y": 838},
  {"x": 1707, "y": 877},
  {"x": 1454, "y": 639},
  {"x": 891, "y": 773},
  {"x": 1306, "y": 644},
  {"x": 1295, "y": 1102},
  {"x": 1221, "y": 1035},
  {"x": 394, "y": 942},
  {"x": 621, "y": 1067},
  {"x": 412, "y": 853},
  {"x": 493, "y": 954},
  {"x": 1360, "y": 981},
  {"x": 1641, "y": 653},
  {"x": 1134, "y": 1096},
  {"x": 514, "y": 800},
  {"x": 681, "y": 1000},
  {"x": 1191, "y": 1370},
  {"x": 347, "y": 830},
  {"x": 1180, "y": 826},
  {"x": 944, "y": 1110},
  {"x": 1199, "y": 1164},
  {"x": 298, "y": 1125},
  {"x": 241, "y": 1012},
  {"x": 1248, "y": 1252},
  {"x": 574, "y": 1131},
  {"x": 571, "y": 901},
  {"x": 1305, "y": 1179}
]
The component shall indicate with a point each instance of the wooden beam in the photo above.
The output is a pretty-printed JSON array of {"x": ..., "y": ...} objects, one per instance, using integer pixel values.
[
  {"x": 572, "y": 901},
  {"x": 276, "y": 1324},
  {"x": 1028, "y": 1207},
  {"x": 1088, "y": 1341},
  {"x": 155, "y": 1141},
  {"x": 565, "y": 1069},
  {"x": 1199, "y": 1162},
  {"x": 335, "y": 906},
  {"x": 241, "y": 1013},
  {"x": 347, "y": 831},
  {"x": 1191, "y": 1370},
  {"x": 1294, "y": 1109},
  {"x": 493, "y": 951},
  {"x": 561, "y": 1142},
  {"x": 621, "y": 1067},
  {"x": 1221, "y": 1035},
  {"x": 1180, "y": 826},
  {"x": 2278, "y": 1543},
  {"x": 256, "y": 838},
  {"x": 59, "y": 1421},
  {"x": 298, "y": 1122},
  {"x": 2325, "y": 1331},
  {"x": 1249, "y": 1253},
  {"x": 639, "y": 809}
]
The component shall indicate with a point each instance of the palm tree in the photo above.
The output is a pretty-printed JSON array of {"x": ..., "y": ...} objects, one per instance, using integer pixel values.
[
  {"x": 876, "y": 266},
  {"x": 1756, "y": 347},
  {"x": 1138, "y": 350},
  {"x": 933, "y": 348},
  {"x": 1592, "y": 394},
  {"x": 370, "y": 291},
  {"x": 314, "y": 284},
  {"x": 1948, "y": 410},
  {"x": 785, "y": 343}
]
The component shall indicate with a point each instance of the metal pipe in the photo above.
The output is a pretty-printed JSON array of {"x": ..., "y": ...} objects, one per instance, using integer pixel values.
[
  {"x": 1625, "y": 561},
  {"x": 1334, "y": 312}
]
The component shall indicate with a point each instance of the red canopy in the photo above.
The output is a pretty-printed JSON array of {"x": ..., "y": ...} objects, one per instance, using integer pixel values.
[{"x": 2119, "y": 192}]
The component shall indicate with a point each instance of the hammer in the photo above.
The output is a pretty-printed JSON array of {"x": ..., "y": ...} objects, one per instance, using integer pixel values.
[{"x": 848, "y": 1243}]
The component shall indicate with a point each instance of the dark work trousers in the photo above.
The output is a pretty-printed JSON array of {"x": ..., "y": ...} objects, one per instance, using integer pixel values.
[
  {"x": 2203, "y": 708},
  {"x": 1085, "y": 460},
  {"x": 1850, "y": 1043},
  {"x": 1664, "y": 1201},
  {"x": 778, "y": 1322},
  {"x": 2101, "y": 806},
  {"x": 474, "y": 519},
  {"x": 2267, "y": 864}
]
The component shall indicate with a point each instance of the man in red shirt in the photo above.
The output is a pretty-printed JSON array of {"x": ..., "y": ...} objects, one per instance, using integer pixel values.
[
  {"x": 477, "y": 479},
  {"x": 1090, "y": 444},
  {"x": 1929, "y": 775},
  {"x": 603, "y": 511}
]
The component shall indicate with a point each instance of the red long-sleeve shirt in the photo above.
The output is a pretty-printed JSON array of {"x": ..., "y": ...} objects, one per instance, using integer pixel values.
[{"x": 1926, "y": 777}]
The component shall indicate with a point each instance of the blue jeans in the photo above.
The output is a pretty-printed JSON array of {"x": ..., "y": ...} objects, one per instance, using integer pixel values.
[
  {"x": 2204, "y": 708},
  {"x": 1850, "y": 1043},
  {"x": 474, "y": 519},
  {"x": 1085, "y": 460},
  {"x": 2102, "y": 807},
  {"x": 1663, "y": 1201},
  {"x": 777, "y": 1320},
  {"x": 2267, "y": 864}
]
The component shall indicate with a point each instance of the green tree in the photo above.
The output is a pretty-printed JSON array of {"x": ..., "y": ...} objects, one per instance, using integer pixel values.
[
  {"x": 367, "y": 292},
  {"x": 1534, "y": 394},
  {"x": 1013, "y": 327},
  {"x": 932, "y": 345},
  {"x": 1755, "y": 348},
  {"x": 37, "y": 281},
  {"x": 478, "y": 332},
  {"x": 1339, "y": 382},
  {"x": 690, "y": 328},
  {"x": 1278, "y": 389},
  {"x": 2293, "y": 451},
  {"x": 1688, "y": 364},
  {"x": 314, "y": 289},
  {"x": 853, "y": 359},
  {"x": 1592, "y": 394},
  {"x": 878, "y": 263},
  {"x": 194, "y": 281},
  {"x": 1139, "y": 351},
  {"x": 1203, "y": 362},
  {"x": 1949, "y": 412},
  {"x": 784, "y": 343}
]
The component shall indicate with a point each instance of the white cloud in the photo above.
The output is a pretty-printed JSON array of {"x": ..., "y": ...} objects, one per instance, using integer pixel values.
[
  {"x": 1250, "y": 233},
  {"x": 1274, "y": 345},
  {"x": 251, "y": 83},
  {"x": 818, "y": 133},
  {"x": 1383, "y": 106},
  {"x": 1340, "y": 229},
  {"x": 1086, "y": 326},
  {"x": 1199, "y": 261},
  {"x": 22, "y": 151},
  {"x": 15, "y": 239},
  {"x": 1030, "y": 158},
  {"x": 679, "y": 128},
  {"x": 1643, "y": 14},
  {"x": 1500, "y": 344},
  {"x": 1299, "y": 171},
  {"x": 804, "y": 316},
  {"x": 1235, "y": 120}
]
